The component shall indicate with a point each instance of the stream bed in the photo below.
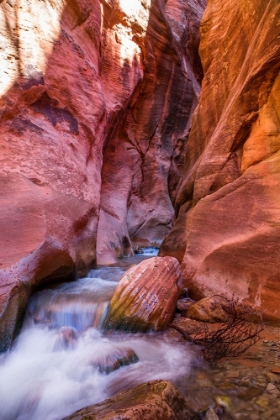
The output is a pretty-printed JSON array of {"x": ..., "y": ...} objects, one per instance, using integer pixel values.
[{"x": 63, "y": 360}]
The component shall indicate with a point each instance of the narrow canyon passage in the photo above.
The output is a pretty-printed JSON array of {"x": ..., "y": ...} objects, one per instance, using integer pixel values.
[
  {"x": 126, "y": 124},
  {"x": 95, "y": 108}
]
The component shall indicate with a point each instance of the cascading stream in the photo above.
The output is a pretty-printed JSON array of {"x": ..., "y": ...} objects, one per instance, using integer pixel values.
[{"x": 63, "y": 361}]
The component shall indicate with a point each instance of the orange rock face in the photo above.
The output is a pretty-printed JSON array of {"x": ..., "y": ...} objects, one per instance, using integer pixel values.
[
  {"x": 89, "y": 92},
  {"x": 227, "y": 231},
  {"x": 146, "y": 296}
]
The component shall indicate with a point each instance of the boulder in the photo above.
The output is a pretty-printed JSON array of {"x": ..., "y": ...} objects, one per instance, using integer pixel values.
[
  {"x": 153, "y": 400},
  {"x": 191, "y": 329},
  {"x": 146, "y": 296},
  {"x": 208, "y": 310},
  {"x": 115, "y": 359}
]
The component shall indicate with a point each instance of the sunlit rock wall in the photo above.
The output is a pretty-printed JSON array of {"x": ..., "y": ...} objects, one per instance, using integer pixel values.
[
  {"x": 145, "y": 141},
  {"x": 227, "y": 231},
  {"x": 86, "y": 85}
]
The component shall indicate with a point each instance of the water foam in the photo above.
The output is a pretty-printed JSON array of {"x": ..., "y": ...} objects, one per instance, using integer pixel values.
[{"x": 52, "y": 369}]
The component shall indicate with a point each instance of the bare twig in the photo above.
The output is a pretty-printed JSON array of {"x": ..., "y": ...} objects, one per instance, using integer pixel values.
[{"x": 231, "y": 338}]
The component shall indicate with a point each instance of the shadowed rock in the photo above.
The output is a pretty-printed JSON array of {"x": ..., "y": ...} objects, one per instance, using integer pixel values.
[
  {"x": 208, "y": 310},
  {"x": 115, "y": 360}
]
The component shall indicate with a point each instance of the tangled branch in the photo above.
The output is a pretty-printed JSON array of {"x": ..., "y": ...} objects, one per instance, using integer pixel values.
[{"x": 231, "y": 338}]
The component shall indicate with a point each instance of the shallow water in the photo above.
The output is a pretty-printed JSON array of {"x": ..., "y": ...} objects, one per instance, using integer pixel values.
[{"x": 54, "y": 367}]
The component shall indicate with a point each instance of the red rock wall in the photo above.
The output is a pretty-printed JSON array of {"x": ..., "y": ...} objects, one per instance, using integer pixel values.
[
  {"x": 227, "y": 229},
  {"x": 90, "y": 92},
  {"x": 144, "y": 148}
]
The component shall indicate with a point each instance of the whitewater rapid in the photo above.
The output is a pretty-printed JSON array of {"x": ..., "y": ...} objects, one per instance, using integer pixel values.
[{"x": 53, "y": 368}]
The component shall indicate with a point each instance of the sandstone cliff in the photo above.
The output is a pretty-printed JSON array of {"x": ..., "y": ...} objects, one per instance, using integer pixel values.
[
  {"x": 227, "y": 227},
  {"x": 145, "y": 143},
  {"x": 95, "y": 105}
]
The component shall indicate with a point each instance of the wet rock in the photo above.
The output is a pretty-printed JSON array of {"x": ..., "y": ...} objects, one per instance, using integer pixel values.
[
  {"x": 255, "y": 417},
  {"x": 250, "y": 393},
  {"x": 275, "y": 370},
  {"x": 137, "y": 250},
  {"x": 224, "y": 401},
  {"x": 154, "y": 400},
  {"x": 269, "y": 415},
  {"x": 211, "y": 415},
  {"x": 174, "y": 335},
  {"x": 259, "y": 381},
  {"x": 262, "y": 402},
  {"x": 233, "y": 374},
  {"x": 208, "y": 310},
  {"x": 272, "y": 389},
  {"x": 272, "y": 377},
  {"x": 113, "y": 361},
  {"x": 192, "y": 327},
  {"x": 67, "y": 338},
  {"x": 146, "y": 296},
  {"x": 184, "y": 304}
]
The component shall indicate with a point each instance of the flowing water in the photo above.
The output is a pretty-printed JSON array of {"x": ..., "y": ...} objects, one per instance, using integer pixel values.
[{"x": 63, "y": 360}]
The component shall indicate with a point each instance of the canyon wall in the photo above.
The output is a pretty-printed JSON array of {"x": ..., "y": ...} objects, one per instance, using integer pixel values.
[
  {"x": 227, "y": 230},
  {"x": 95, "y": 105},
  {"x": 144, "y": 148}
]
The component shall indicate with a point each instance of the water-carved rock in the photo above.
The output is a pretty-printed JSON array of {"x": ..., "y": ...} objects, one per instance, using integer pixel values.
[
  {"x": 154, "y": 400},
  {"x": 95, "y": 106},
  {"x": 227, "y": 232},
  {"x": 115, "y": 359},
  {"x": 146, "y": 296},
  {"x": 208, "y": 310}
]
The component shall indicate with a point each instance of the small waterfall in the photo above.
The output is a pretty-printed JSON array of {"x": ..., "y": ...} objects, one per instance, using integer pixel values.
[
  {"x": 63, "y": 360},
  {"x": 149, "y": 251},
  {"x": 79, "y": 305}
]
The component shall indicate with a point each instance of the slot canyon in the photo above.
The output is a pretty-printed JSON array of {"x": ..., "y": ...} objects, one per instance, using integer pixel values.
[{"x": 129, "y": 125}]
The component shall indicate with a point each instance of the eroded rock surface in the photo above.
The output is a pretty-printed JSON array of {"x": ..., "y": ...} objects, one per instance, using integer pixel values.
[
  {"x": 146, "y": 296},
  {"x": 211, "y": 309},
  {"x": 116, "y": 359},
  {"x": 145, "y": 147},
  {"x": 90, "y": 85},
  {"x": 227, "y": 231},
  {"x": 153, "y": 400}
]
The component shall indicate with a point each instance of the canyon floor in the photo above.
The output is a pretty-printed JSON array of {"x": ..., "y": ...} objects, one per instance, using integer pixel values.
[{"x": 241, "y": 388}]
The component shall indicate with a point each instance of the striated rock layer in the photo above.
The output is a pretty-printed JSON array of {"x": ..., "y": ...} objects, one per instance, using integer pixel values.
[
  {"x": 86, "y": 85},
  {"x": 145, "y": 144},
  {"x": 146, "y": 296},
  {"x": 153, "y": 400},
  {"x": 227, "y": 231}
]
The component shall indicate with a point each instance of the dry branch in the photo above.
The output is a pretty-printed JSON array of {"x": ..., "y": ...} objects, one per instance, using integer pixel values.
[{"x": 231, "y": 338}]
